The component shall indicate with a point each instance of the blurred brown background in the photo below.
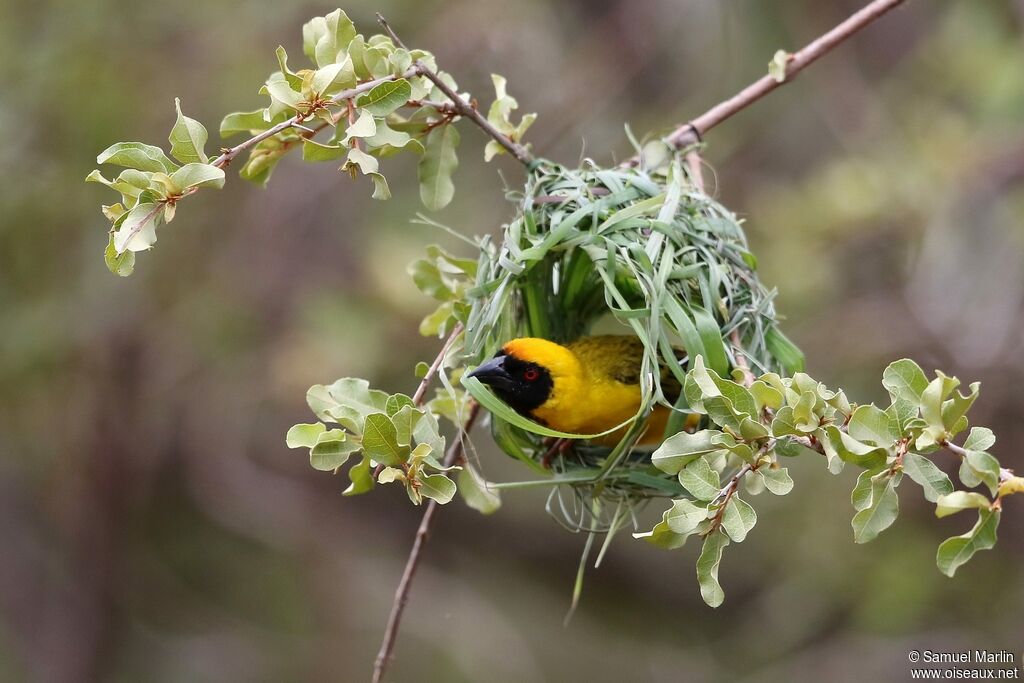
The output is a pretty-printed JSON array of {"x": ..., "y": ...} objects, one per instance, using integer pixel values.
[{"x": 153, "y": 527}]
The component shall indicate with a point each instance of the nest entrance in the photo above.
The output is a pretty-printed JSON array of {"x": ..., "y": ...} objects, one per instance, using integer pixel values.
[{"x": 642, "y": 247}]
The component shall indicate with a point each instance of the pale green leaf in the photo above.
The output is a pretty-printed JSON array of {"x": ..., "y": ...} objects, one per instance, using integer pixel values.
[
  {"x": 386, "y": 97},
  {"x": 380, "y": 440},
  {"x": 436, "y": 167},
  {"x": 700, "y": 479},
  {"x": 437, "y": 487},
  {"x": 304, "y": 435},
  {"x": 957, "y": 550},
  {"x": 738, "y": 519},
  {"x": 187, "y": 138},
  {"x": 707, "y": 568},
  {"x": 776, "y": 480},
  {"x": 956, "y": 501},
  {"x": 361, "y": 476},
  {"x": 879, "y": 515},
  {"x": 932, "y": 480}
]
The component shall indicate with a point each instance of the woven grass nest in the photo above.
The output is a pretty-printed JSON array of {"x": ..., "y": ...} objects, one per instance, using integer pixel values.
[{"x": 622, "y": 250}]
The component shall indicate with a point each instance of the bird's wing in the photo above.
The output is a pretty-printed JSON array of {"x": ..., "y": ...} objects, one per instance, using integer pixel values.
[{"x": 620, "y": 357}]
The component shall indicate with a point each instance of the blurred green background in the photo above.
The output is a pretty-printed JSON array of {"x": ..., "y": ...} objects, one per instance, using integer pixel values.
[{"x": 153, "y": 526}]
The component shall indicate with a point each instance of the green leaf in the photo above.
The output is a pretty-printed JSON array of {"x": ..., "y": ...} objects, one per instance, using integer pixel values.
[
  {"x": 363, "y": 127},
  {"x": 315, "y": 151},
  {"x": 766, "y": 396},
  {"x": 680, "y": 449},
  {"x": 662, "y": 536},
  {"x": 137, "y": 155},
  {"x": 904, "y": 379},
  {"x": 957, "y": 550},
  {"x": 361, "y": 160},
  {"x": 980, "y": 439},
  {"x": 880, "y": 513},
  {"x": 436, "y": 167},
  {"x": 331, "y": 450},
  {"x": 361, "y": 477},
  {"x": 198, "y": 175},
  {"x": 390, "y": 475},
  {"x": 864, "y": 490},
  {"x": 932, "y": 480},
  {"x": 979, "y": 467},
  {"x": 333, "y": 78},
  {"x": 245, "y": 122},
  {"x": 304, "y": 435},
  {"x": 386, "y": 97},
  {"x": 934, "y": 396},
  {"x": 347, "y": 402},
  {"x": 784, "y": 423},
  {"x": 707, "y": 568},
  {"x": 848, "y": 449},
  {"x": 283, "y": 98},
  {"x": 380, "y": 440},
  {"x": 476, "y": 491},
  {"x": 323, "y": 38},
  {"x": 683, "y": 517},
  {"x": 119, "y": 264},
  {"x": 738, "y": 519},
  {"x": 187, "y": 138},
  {"x": 700, "y": 479},
  {"x": 956, "y": 501},
  {"x": 874, "y": 426},
  {"x": 712, "y": 385},
  {"x": 138, "y": 229},
  {"x": 776, "y": 480},
  {"x": 380, "y": 186},
  {"x": 427, "y": 431},
  {"x": 405, "y": 420},
  {"x": 437, "y": 487}
]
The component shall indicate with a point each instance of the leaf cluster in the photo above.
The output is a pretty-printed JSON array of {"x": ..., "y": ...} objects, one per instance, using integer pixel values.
[
  {"x": 753, "y": 428},
  {"x": 398, "y": 441},
  {"x": 365, "y": 97}
]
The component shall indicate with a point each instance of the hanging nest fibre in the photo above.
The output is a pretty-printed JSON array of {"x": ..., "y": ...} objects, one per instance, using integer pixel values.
[{"x": 629, "y": 250}]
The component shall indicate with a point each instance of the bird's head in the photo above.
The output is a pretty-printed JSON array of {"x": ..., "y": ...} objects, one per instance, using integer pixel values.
[{"x": 527, "y": 372}]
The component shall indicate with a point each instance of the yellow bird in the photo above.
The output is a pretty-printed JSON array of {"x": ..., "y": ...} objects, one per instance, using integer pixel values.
[{"x": 585, "y": 387}]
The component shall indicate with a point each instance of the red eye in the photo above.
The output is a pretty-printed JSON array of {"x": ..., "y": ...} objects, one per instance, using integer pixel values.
[{"x": 531, "y": 375}]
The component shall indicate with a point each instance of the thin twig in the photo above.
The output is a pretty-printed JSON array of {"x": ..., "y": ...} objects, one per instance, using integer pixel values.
[
  {"x": 463, "y": 107},
  {"x": 225, "y": 158},
  {"x": 693, "y": 131},
  {"x": 421, "y": 390},
  {"x": 727, "y": 491},
  {"x": 387, "y": 646}
]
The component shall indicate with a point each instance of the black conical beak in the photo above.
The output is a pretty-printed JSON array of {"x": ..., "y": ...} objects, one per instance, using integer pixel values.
[{"x": 493, "y": 373}]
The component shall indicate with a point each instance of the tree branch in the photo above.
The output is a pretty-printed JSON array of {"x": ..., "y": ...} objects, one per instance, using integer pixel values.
[
  {"x": 387, "y": 646},
  {"x": 421, "y": 390},
  {"x": 463, "y": 107},
  {"x": 225, "y": 158},
  {"x": 693, "y": 131}
]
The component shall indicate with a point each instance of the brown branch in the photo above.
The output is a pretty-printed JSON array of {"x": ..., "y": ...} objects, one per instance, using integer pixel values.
[
  {"x": 225, "y": 158},
  {"x": 421, "y": 390},
  {"x": 387, "y": 646},
  {"x": 463, "y": 107},
  {"x": 693, "y": 131},
  {"x": 728, "y": 491}
]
